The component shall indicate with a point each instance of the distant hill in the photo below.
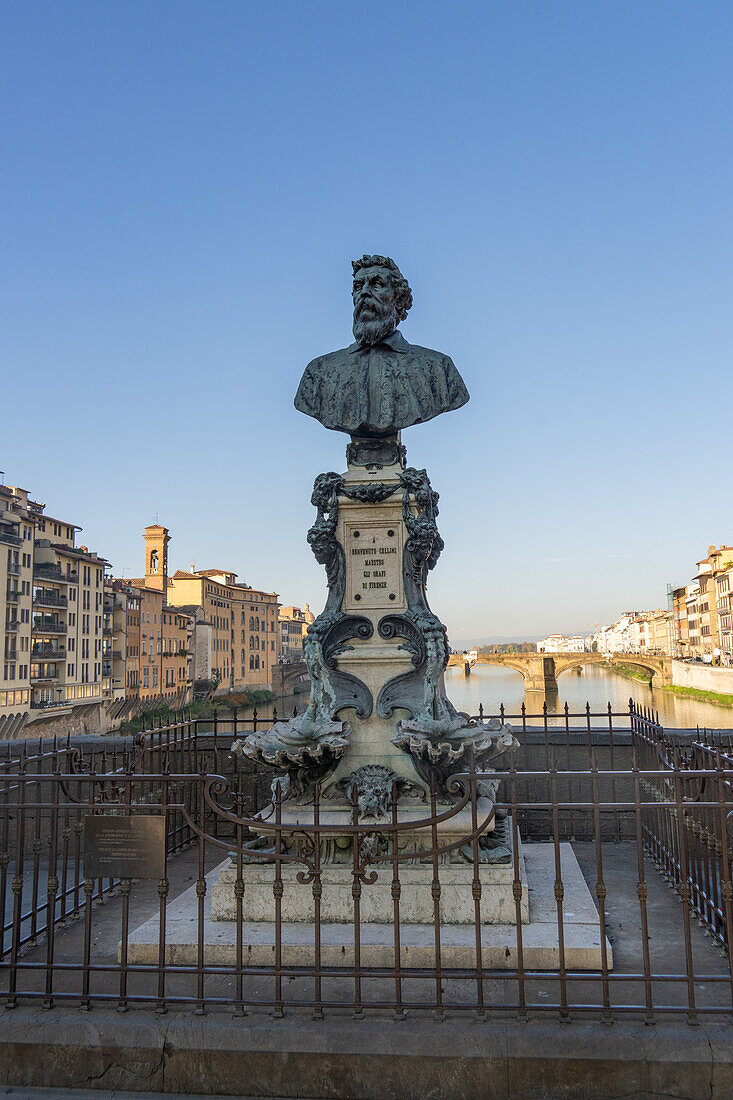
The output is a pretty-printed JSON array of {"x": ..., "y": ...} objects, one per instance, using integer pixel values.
[{"x": 495, "y": 639}]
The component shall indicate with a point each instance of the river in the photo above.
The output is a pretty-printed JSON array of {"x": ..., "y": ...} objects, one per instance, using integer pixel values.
[
  {"x": 598, "y": 686},
  {"x": 491, "y": 685}
]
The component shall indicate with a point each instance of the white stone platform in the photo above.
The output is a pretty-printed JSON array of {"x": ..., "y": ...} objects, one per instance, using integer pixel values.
[
  {"x": 377, "y": 906},
  {"x": 458, "y": 948}
]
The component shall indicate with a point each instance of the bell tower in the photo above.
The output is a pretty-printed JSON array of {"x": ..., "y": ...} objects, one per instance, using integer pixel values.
[{"x": 156, "y": 557}]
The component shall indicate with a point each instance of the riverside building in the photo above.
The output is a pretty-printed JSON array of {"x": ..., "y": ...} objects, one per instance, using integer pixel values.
[
  {"x": 234, "y": 628},
  {"x": 294, "y": 624},
  {"x": 51, "y": 614},
  {"x": 702, "y": 610},
  {"x": 163, "y": 646}
]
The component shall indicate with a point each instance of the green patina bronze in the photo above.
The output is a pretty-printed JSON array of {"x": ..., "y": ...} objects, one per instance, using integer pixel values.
[{"x": 380, "y": 383}]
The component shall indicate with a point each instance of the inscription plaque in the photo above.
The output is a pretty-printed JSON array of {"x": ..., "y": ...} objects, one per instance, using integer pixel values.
[
  {"x": 374, "y": 565},
  {"x": 124, "y": 847}
]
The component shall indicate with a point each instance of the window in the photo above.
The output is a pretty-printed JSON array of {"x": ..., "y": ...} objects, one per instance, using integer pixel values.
[{"x": 251, "y": 663}]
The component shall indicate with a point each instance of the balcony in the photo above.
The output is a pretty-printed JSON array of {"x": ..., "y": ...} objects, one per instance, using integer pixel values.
[
  {"x": 43, "y": 703},
  {"x": 14, "y": 568},
  {"x": 49, "y": 598},
  {"x": 45, "y": 624},
  {"x": 12, "y": 595},
  {"x": 11, "y": 625},
  {"x": 45, "y": 674},
  {"x": 9, "y": 539},
  {"x": 49, "y": 571},
  {"x": 49, "y": 652}
]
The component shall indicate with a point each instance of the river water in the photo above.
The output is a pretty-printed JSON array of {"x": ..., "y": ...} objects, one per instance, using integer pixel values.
[{"x": 492, "y": 685}]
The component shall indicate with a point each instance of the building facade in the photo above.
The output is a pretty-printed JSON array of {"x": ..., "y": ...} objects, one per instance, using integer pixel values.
[
  {"x": 561, "y": 643},
  {"x": 294, "y": 624},
  {"x": 52, "y": 613},
  {"x": 702, "y": 611},
  {"x": 245, "y": 635},
  {"x": 164, "y": 643}
]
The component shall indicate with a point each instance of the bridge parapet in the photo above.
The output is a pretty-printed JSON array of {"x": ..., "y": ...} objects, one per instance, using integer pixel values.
[
  {"x": 285, "y": 677},
  {"x": 540, "y": 670}
]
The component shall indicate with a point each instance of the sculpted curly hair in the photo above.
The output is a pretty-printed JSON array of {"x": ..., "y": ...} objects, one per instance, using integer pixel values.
[{"x": 402, "y": 292}]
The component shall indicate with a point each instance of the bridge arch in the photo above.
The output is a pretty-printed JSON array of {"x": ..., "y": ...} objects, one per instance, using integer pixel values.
[
  {"x": 516, "y": 666},
  {"x": 462, "y": 661},
  {"x": 654, "y": 665}
]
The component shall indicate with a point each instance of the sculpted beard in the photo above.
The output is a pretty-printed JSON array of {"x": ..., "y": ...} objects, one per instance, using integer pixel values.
[{"x": 373, "y": 321}]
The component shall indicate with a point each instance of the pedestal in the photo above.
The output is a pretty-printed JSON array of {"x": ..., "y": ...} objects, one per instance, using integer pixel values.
[
  {"x": 455, "y": 874},
  {"x": 540, "y": 941}
]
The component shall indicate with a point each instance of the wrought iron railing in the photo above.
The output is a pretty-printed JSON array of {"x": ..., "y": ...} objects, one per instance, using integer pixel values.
[
  {"x": 669, "y": 810},
  {"x": 686, "y": 826},
  {"x": 49, "y": 598}
]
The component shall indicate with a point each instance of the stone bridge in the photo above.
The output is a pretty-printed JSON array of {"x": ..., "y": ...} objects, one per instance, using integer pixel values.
[
  {"x": 541, "y": 670},
  {"x": 286, "y": 677}
]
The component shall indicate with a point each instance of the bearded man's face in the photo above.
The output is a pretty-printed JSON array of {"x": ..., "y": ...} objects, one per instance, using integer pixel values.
[{"x": 375, "y": 316}]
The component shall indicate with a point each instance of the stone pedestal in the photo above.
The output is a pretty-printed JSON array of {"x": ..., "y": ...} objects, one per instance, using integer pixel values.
[
  {"x": 373, "y": 537},
  {"x": 377, "y": 653},
  {"x": 582, "y": 939},
  {"x": 455, "y": 874}
]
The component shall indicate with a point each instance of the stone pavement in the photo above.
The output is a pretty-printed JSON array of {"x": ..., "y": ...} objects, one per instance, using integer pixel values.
[
  {"x": 371, "y": 1059},
  {"x": 114, "y": 1094},
  {"x": 181, "y": 1053}
]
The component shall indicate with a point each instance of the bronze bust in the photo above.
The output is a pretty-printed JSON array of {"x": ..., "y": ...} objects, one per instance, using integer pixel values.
[{"x": 380, "y": 383}]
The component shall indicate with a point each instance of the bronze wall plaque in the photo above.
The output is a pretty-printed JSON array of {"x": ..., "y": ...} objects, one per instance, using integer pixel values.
[{"x": 124, "y": 847}]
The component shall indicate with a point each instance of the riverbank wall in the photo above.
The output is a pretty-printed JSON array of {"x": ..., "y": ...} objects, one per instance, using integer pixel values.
[{"x": 702, "y": 677}]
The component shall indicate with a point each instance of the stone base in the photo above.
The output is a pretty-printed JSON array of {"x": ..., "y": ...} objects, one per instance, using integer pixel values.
[
  {"x": 458, "y": 948},
  {"x": 377, "y": 906}
]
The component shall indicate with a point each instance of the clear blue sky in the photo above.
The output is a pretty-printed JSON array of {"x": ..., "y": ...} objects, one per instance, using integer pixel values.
[{"x": 183, "y": 185}]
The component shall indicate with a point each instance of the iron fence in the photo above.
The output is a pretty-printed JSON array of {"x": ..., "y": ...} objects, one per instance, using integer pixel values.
[
  {"x": 685, "y": 831},
  {"x": 631, "y": 833}
]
